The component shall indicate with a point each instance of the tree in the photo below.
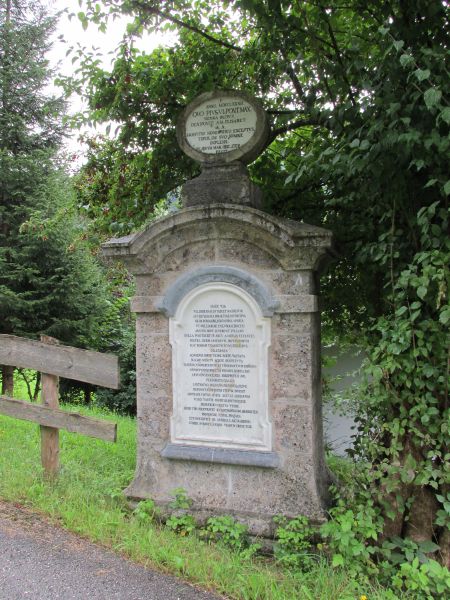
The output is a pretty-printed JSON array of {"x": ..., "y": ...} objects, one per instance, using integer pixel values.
[
  {"x": 356, "y": 94},
  {"x": 49, "y": 282}
]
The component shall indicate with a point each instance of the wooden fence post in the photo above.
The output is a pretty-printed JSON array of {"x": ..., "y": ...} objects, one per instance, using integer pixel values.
[
  {"x": 52, "y": 360},
  {"x": 50, "y": 435}
]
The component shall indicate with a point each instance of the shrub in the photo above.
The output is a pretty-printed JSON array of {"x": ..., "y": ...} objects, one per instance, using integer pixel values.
[
  {"x": 183, "y": 524},
  {"x": 293, "y": 547}
]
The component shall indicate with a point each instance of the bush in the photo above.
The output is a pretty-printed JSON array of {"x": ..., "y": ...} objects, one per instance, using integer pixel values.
[
  {"x": 426, "y": 581},
  {"x": 232, "y": 534},
  {"x": 293, "y": 547},
  {"x": 117, "y": 335}
]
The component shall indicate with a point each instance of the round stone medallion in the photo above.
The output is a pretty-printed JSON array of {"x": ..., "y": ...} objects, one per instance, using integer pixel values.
[{"x": 223, "y": 126}]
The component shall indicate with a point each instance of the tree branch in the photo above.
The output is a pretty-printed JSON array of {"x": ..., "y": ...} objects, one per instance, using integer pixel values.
[
  {"x": 281, "y": 112},
  {"x": 295, "y": 125},
  {"x": 339, "y": 57},
  {"x": 331, "y": 96},
  {"x": 295, "y": 80},
  {"x": 164, "y": 15}
]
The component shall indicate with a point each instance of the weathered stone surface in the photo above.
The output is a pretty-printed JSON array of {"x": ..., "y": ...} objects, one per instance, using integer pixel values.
[
  {"x": 294, "y": 282},
  {"x": 302, "y": 303},
  {"x": 246, "y": 253},
  {"x": 295, "y": 246},
  {"x": 291, "y": 323},
  {"x": 223, "y": 131},
  {"x": 291, "y": 368},
  {"x": 148, "y": 324},
  {"x": 146, "y": 304},
  {"x": 225, "y": 183},
  {"x": 175, "y": 260},
  {"x": 294, "y": 430},
  {"x": 222, "y": 127},
  {"x": 153, "y": 363},
  {"x": 149, "y": 285},
  {"x": 225, "y": 456},
  {"x": 218, "y": 274},
  {"x": 283, "y": 257}
]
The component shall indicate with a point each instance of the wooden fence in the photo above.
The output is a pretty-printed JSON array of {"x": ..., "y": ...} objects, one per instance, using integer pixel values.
[{"x": 53, "y": 361}]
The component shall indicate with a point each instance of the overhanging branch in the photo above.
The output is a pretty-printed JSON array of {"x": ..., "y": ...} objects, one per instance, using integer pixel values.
[
  {"x": 295, "y": 125},
  {"x": 151, "y": 10}
]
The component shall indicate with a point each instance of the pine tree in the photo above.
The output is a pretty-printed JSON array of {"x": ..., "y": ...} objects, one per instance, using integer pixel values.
[{"x": 48, "y": 282}]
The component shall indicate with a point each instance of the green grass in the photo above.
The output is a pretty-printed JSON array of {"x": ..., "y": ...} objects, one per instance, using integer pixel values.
[{"x": 87, "y": 499}]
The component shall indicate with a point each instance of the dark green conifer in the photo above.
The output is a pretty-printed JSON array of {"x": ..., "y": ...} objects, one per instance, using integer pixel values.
[{"x": 49, "y": 282}]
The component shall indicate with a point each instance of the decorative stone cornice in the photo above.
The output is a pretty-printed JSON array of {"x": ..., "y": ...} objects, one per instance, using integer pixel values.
[{"x": 292, "y": 244}]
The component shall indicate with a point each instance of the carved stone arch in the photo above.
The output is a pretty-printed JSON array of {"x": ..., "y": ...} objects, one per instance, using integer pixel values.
[
  {"x": 218, "y": 274},
  {"x": 288, "y": 242}
]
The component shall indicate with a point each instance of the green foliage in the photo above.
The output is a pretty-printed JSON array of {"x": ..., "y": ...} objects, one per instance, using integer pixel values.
[
  {"x": 181, "y": 524},
  {"x": 181, "y": 499},
  {"x": 443, "y": 514},
  {"x": 398, "y": 551},
  {"x": 223, "y": 529},
  {"x": 357, "y": 96},
  {"x": 146, "y": 511},
  {"x": 116, "y": 334},
  {"x": 49, "y": 281},
  {"x": 87, "y": 499},
  {"x": 181, "y": 521},
  {"x": 226, "y": 530},
  {"x": 293, "y": 547},
  {"x": 351, "y": 537},
  {"x": 428, "y": 580},
  {"x": 30, "y": 120},
  {"x": 404, "y": 414}
]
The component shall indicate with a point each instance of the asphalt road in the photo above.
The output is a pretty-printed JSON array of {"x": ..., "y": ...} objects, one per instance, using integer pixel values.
[{"x": 39, "y": 561}]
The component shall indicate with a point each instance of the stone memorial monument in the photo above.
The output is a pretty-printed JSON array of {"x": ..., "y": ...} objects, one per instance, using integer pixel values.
[
  {"x": 228, "y": 335},
  {"x": 223, "y": 131}
]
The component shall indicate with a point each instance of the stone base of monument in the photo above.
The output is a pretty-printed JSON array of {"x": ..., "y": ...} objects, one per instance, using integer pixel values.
[
  {"x": 228, "y": 363},
  {"x": 228, "y": 183}
]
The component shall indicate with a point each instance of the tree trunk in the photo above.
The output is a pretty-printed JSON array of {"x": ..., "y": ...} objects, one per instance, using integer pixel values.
[
  {"x": 420, "y": 526},
  {"x": 37, "y": 386},
  {"x": 27, "y": 382},
  {"x": 444, "y": 543},
  {"x": 395, "y": 500},
  {"x": 418, "y": 522},
  {"x": 8, "y": 380},
  {"x": 87, "y": 393}
]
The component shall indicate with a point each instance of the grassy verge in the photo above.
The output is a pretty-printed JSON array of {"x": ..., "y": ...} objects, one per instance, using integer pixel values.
[{"x": 87, "y": 499}]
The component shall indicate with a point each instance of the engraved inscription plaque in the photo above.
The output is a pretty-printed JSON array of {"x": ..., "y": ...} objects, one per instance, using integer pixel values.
[
  {"x": 223, "y": 126},
  {"x": 220, "y": 346},
  {"x": 220, "y": 125}
]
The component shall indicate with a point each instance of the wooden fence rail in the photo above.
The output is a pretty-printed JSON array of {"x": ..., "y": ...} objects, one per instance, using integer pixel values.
[
  {"x": 54, "y": 361},
  {"x": 58, "y": 419},
  {"x": 64, "y": 361}
]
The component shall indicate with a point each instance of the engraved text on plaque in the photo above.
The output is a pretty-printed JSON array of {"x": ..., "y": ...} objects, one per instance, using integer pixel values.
[
  {"x": 220, "y": 125},
  {"x": 220, "y": 343}
]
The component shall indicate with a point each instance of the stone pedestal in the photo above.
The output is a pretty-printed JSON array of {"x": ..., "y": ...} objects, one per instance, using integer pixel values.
[
  {"x": 223, "y": 131},
  {"x": 229, "y": 183},
  {"x": 228, "y": 362}
]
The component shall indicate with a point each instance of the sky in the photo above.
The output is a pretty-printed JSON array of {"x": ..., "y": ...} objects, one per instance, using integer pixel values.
[{"x": 74, "y": 34}]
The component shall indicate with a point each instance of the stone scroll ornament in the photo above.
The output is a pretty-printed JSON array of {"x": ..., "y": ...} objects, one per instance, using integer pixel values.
[{"x": 223, "y": 131}]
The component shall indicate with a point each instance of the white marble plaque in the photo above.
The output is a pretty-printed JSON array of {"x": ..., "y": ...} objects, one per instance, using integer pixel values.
[
  {"x": 221, "y": 125},
  {"x": 220, "y": 346}
]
